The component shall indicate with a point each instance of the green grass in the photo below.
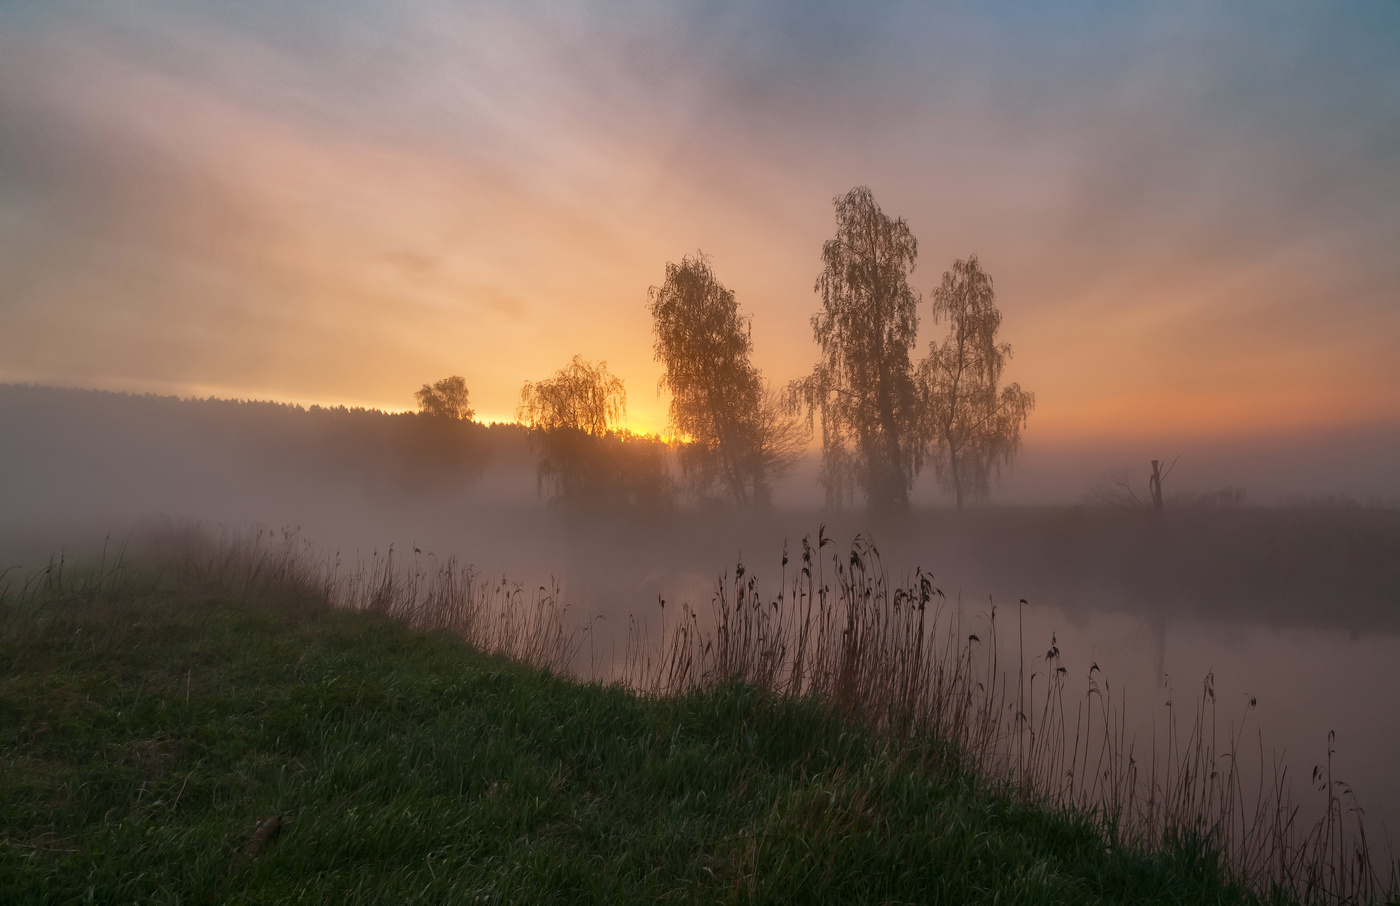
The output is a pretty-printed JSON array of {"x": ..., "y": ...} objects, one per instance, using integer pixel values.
[{"x": 140, "y": 750}]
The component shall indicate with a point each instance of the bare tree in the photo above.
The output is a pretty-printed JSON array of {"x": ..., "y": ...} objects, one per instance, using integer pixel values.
[
  {"x": 1154, "y": 482},
  {"x": 1115, "y": 488},
  {"x": 447, "y": 398},
  {"x": 864, "y": 384},
  {"x": 716, "y": 393},
  {"x": 975, "y": 424},
  {"x": 782, "y": 436}
]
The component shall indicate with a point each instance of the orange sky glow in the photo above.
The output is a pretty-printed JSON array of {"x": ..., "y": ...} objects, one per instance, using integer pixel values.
[{"x": 1178, "y": 248}]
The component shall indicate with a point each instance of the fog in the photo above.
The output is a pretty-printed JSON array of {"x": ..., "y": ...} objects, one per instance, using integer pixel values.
[{"x": 1292, "y": 598}]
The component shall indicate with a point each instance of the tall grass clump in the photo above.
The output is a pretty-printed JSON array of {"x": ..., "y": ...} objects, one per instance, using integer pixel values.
[
  {"x": 105, "y": 599},
  {"x": 495, "y": 617},
  {"x": 898, "y": 657}
]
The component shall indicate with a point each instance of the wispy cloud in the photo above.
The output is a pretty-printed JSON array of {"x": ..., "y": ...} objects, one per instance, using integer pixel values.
[{"x": 1188, "y": 214}]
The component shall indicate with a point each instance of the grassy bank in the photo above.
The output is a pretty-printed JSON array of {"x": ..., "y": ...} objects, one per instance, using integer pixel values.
[{"x": 145, "y": 737}]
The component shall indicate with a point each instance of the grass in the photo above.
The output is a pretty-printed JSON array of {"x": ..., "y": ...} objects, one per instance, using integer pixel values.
[{"x": 152, "y": 723}]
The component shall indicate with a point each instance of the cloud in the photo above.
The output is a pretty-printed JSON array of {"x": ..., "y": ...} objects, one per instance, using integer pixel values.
[{"x": 307, "y": 203}]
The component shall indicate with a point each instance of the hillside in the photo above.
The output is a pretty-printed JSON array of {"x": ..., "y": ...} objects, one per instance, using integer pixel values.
[{"x": 153, "y": 721}]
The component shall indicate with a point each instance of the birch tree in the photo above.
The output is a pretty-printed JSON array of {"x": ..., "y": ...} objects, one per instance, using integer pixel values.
[
  {"x": 863, "y": 386},
  {"x": 975, "y": 424}
]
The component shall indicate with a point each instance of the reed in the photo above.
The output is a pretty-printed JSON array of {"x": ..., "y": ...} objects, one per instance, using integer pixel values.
[
  {"x": 494, "y": 616},
  {"x": 899, "y": 657}
]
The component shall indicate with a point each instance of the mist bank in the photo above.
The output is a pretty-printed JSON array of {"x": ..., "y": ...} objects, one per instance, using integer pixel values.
[
  {"x": 1355, "y": 464},
  {"x": 76, "y": 465},
  {"x": 56, "y": 438},
  {"x": 84, "y": 457},
  {"x": 1298, "y": 605}
]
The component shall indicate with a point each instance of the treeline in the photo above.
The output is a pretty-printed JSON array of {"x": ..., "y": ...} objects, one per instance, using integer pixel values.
[
  {"x": 882, "y": 416},
  {"x": 96, "y": 429}
]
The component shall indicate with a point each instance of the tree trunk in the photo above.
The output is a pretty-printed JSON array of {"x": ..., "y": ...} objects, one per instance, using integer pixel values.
[{"x": 892, "y": 489}]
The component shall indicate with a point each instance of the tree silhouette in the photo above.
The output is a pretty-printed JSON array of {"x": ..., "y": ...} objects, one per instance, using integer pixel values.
[
  {"x": 864, "y": 384},
  {"x": 579, "y": 397},
  {"x": 448, "y": 398},
  {"x": 576, "y": 416},
  {"x": 781, "y": 439},
  {"x": 716, "y": 392},
  {"x": 975, "y": 426}
]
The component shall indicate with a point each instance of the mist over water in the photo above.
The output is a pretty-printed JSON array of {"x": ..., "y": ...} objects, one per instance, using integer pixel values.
[{"x": 1295, "y": 607}]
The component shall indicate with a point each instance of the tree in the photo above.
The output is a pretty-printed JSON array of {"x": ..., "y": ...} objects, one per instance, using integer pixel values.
[
  {"x": 579, "y": 397},
  {"x": 864, "y": 384},
  {"x": 975, "y": 425},
  {"x": 1154, "y": 485},
  {"x": 1115, "y": 488},
  {"x": 716, "y": 392},
  {"x": 448, "y": 398},
  {"x": 576, "y": 416},
  {"x": 781, "y": 439}
]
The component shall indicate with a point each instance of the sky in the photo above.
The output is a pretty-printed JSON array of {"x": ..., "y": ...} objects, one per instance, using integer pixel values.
[{"x": 1189, "y": 210}]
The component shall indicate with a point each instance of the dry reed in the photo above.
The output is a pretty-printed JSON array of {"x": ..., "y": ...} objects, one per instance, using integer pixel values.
[{"x": 897, "y": 656}]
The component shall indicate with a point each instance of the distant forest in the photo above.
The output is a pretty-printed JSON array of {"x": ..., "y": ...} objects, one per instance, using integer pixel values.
[
  {"x": 58, "y": 430},
  {"x": 408, "y": 448}
]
